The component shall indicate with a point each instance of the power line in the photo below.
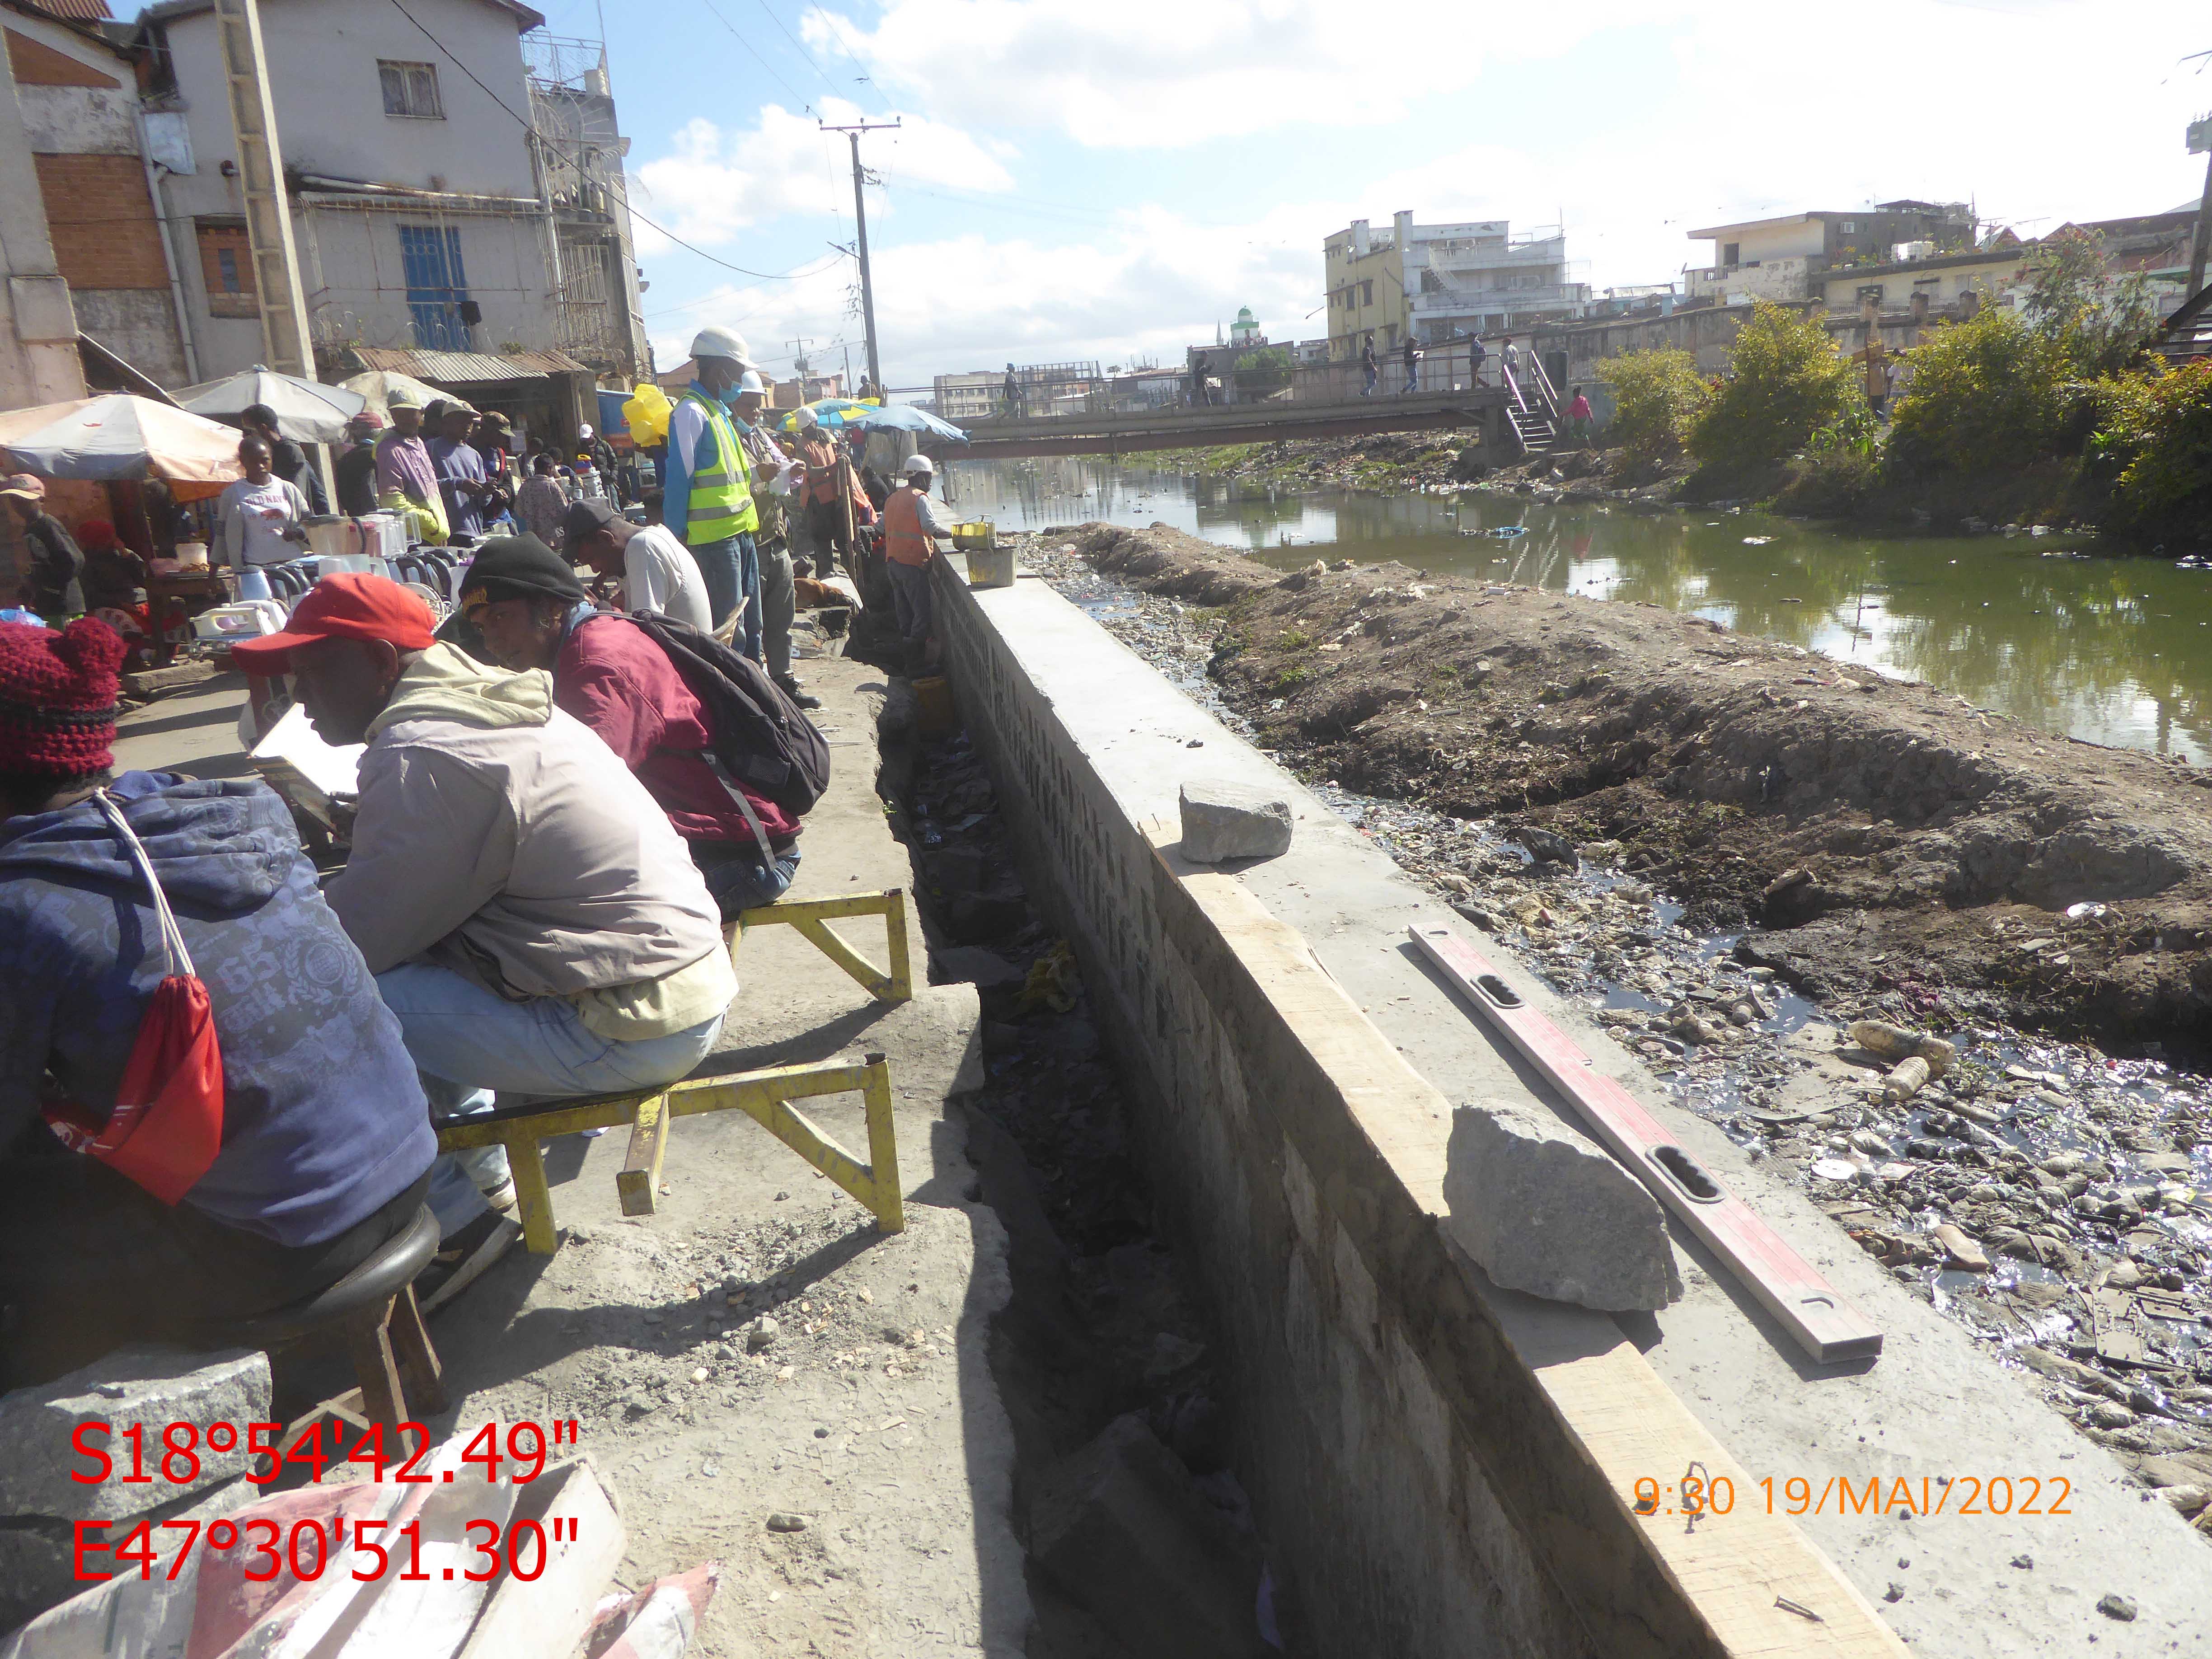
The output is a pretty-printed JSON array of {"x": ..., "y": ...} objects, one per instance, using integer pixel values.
[
  {"x": 795, "y": 93},
  {"x": 523, "y": 122},
  {"x": 795, "y": 40},
  {"x": 830, "y": 18}
]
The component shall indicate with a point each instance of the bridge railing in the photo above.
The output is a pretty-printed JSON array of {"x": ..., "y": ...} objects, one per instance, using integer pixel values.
[{"x": 1440, "y": 369}]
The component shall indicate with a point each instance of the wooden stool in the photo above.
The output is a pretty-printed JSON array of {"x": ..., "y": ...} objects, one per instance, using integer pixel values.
[{"x": 374, "y": 1310}]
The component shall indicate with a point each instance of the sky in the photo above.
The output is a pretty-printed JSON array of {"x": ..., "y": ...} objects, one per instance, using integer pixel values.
[{"x": 1074, "y": 180}]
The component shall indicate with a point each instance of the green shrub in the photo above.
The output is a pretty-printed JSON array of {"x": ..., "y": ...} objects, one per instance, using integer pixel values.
[
  {"x": 1987, "y": 395},
  {"x": 2101, "y": 323},
  {"x": 1657, "y": 396},
  {"x": 1835, "y": 482},
  {"x": 1785, "y": 384},
  {"x": 2165, "y": 431}
]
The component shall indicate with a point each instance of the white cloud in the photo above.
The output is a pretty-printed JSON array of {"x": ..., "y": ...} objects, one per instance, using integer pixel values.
[
  {"x": 717, "y": 181},
  {"x": 1147, "y": 287}
]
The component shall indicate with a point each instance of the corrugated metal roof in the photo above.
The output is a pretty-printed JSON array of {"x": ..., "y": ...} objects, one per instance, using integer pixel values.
[
  {"x": 76, "y": 11},
  {"x": 469, "y": 367}
]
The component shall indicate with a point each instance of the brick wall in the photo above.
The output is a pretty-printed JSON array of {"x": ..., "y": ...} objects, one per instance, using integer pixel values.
[{"x": 102, "y": 222}]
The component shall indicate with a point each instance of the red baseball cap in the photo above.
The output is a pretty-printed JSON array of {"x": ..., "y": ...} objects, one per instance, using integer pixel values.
[{"x": 352, "y": 606}]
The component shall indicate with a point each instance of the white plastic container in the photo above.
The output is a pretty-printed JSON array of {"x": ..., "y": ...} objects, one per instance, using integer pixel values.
[
  {"x": 364, "y": 543},
  {"x": 247, "y": 619}
]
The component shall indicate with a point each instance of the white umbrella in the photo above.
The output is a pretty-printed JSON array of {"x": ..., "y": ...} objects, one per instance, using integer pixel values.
[
  {"x": 119, "y": 436},
  {"x": 308, "y": 411},
  {"x": 377, "y": 384}
]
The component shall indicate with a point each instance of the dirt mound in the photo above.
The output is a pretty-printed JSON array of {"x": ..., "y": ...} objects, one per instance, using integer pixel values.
[{"x": 1874, "y": 834}]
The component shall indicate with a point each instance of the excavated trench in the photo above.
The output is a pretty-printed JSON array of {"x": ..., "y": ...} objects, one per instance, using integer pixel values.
[{"x": 1104, "y": 1357}]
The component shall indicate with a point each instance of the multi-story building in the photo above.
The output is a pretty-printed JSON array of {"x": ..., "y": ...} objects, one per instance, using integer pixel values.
[
  {"x": 1043, "y": 389},
  {"x": 1442, "y": 281},
  {"x": 92, "y": 155},
  {"x": 1779, "y": 258},
  {"x": 456, "y": 200}
]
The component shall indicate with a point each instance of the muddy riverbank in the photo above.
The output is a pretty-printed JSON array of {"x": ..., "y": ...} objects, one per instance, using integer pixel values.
[{"x": 1869, "y": 834}]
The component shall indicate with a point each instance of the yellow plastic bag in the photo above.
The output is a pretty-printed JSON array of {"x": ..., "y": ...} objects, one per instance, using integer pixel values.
[{"x": 648, "y": 411}]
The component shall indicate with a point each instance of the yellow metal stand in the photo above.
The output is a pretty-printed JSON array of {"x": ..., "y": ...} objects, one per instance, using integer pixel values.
[
  {"x": 811, "y": 918},
  {"x": 765, "y": 1095}
]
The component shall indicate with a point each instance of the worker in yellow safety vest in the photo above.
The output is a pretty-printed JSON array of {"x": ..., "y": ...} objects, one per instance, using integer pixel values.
[
  {"x": 707, "y": 496},
  {"x": 911, "y": 532}
]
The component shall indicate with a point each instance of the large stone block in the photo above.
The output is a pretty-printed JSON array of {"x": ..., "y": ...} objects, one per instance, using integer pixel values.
[
  {"x": 1544, "y": 1211},
  {"x": 1223, "y": 821},
  {"x": 1119, "y": 1528},
  {"x": 155, "y": 1387}
]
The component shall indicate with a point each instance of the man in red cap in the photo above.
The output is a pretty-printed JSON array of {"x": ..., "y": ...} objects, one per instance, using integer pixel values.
[
  {"x": 326, "y": 1146},
  {"x": 529, "y": 913}
]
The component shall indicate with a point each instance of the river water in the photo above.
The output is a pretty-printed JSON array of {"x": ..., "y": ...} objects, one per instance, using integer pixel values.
[{"x": 2114, "y": 651}]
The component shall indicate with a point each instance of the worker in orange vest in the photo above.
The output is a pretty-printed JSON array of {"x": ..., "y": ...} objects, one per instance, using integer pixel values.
[{"x": 911, "y": 532}]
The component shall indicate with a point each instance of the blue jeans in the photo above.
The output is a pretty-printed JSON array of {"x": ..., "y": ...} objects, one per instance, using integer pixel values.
[
  {"x": 1368, "y": 391},
  {"x": 737, "y": 878},
  {"x": 467, "y": 1041},
  {"x": 731, "y": 569}
]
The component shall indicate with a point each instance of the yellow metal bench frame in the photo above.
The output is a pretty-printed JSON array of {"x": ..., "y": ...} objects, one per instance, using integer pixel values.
[
  {"x": 766, "y": 1096},
  {"x": 812, "y": 917}
]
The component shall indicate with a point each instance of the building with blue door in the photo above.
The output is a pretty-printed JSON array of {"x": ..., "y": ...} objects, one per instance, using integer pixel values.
[{"x": 456, "y": 195}]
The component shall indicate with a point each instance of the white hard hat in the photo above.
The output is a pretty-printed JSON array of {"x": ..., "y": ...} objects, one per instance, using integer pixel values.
[
  {"x": 751, "y": 381},
  {"x": 920, "y": 463},
  {"x": 715, "y": 341},
  {"x": 584, "y": 429},
  {"x": 808, "y": 417}
]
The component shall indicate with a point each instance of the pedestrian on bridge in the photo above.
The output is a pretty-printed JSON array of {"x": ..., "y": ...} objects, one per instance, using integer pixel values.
[
  {"x": 1476, "y": 354},
  {"x": 1510, "y": 355},
  {"x": 1367, "y": 363},
  {"x": 1009, "y": 396},
  {"x": 1412, "y": 355}
]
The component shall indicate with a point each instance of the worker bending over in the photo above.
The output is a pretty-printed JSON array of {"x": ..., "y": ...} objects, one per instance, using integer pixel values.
[
  {"x": 325, "y": 1147},
  {"x": 527, "y": 910},
  {"x": 612, "y": 676}
]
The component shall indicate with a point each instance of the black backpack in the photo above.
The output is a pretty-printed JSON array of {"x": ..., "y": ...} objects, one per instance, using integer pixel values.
[{"x": 761, "y": 736}]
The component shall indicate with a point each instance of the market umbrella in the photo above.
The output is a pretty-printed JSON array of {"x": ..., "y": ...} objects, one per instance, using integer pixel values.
[
  {"x": 120, "y": 436},
  {"x": 903, "y": 417},
  {"x": 308, "y": 411},
  {"x": 832, "y": 412},
  {"x": 379, "y": 383}
]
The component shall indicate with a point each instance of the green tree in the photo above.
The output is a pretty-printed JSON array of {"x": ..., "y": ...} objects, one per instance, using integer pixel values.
[
  {"x": 1261, "y": 374},
  {"x": 1986, "y": 394},
  {"x": 1657, "y": 396},
  {"x": 2101, "y": 323},
  {"x": 1785, "y": 384},
  {"x": 2162, "y": 432}
]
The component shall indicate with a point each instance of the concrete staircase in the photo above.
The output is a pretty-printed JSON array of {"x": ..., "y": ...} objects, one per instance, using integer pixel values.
[{"x": 1533, "y": 429}]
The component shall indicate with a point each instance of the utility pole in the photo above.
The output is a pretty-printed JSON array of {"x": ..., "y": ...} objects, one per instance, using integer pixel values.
[
  {"x": 2200, "y": 143},
  {"x": 284, "y": 335},
  {"x": 860, "y": 222}
]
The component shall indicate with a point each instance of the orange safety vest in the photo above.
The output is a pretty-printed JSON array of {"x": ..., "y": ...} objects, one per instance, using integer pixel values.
[
  {"x": 823, "y": 462},
  {"x": 905, "y": 542}
]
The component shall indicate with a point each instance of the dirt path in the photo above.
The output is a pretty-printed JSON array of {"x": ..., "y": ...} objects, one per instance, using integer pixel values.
[{"x": 1874, "y": 834}]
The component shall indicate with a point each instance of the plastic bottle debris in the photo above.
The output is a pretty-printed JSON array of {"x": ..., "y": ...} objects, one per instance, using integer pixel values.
[
  {"x": 1906, "y": 1078},
  {"x": 1895, "y": 1043}
]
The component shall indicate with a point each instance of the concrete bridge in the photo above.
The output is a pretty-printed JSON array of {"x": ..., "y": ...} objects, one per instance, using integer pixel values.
[{"x": 1122, "y": 433}]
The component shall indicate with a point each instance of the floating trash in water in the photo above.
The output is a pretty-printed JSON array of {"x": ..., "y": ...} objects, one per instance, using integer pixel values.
[
  {"x": 1756, "y": 540},
  {"x": 1505, "y": 532}
]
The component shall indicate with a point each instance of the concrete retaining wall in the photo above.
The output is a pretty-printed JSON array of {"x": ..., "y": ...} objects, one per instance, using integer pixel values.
[{"x": 1440, "y": 1465}]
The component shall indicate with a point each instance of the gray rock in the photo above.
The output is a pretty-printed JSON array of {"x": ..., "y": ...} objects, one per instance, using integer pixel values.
[
  {"x": 1223, "y": 821},
  {"x": 155, "y": 1387},
  {"x": 782, "y": 1522},
  {"x": 1121, "y": 1528},
  {"x": 762, "y": 1335},
  {"x": 1544, "y": 1211},
  {"x": 1546, "y": 847},
  {"x": 974, "y": 965},
  {"x": 2121, "y": 1607}
]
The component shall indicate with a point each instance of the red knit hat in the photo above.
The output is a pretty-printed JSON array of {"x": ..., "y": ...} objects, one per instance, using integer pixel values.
[{"x": 58, "y": 697}]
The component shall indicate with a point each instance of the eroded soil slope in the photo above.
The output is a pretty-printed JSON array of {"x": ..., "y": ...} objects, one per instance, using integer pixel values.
[{"x": 1872, "y": 834}]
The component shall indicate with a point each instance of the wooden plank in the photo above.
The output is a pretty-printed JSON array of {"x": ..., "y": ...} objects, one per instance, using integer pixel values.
[
  {"x": 889, "y": 1203},
  {"x": 1816, "y": 1314},
  {"x": 638, "y": 1181},
  {"x": 534, "y": 1193}
]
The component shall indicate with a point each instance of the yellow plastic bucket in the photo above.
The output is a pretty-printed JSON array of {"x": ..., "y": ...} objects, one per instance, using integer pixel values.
[{"x": 991, "y": 567}]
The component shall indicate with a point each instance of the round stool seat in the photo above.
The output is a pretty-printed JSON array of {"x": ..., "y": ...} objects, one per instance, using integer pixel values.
[{"x": 390, "y": 1270}]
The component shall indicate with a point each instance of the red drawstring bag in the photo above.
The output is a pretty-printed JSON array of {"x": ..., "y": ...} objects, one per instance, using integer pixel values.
[{"x": 167, "y": 1127}]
